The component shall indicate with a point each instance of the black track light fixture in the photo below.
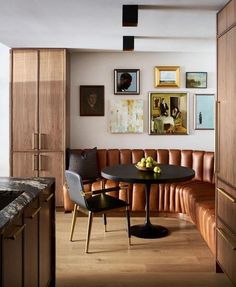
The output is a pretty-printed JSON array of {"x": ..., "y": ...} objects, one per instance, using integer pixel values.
[{"x": 130, "y": 15}]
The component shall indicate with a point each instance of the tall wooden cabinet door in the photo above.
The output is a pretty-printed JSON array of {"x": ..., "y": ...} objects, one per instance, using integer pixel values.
[
  {"x": 24, "y": 164},
  {"x": 52, "y": 100},
  {"x": 226, "y": 107},
  {"x": 51, "y": 164},
  {"x": 24, "y": 100}
]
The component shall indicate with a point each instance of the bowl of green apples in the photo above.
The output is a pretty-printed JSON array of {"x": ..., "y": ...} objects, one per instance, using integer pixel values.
[{"x": 148, "y": 164}]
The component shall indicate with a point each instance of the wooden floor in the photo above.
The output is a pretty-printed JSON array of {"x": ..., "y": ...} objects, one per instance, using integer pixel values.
[{"x": 181, "y": 259}]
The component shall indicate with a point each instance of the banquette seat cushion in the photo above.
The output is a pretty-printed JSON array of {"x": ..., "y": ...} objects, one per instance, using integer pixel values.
[{"x": 195, "y": 198}]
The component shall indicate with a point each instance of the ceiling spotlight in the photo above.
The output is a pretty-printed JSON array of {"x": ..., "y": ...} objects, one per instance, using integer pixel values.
[
  {"x": 128, "y": 43},
  {"x": 130, "y": 15}
]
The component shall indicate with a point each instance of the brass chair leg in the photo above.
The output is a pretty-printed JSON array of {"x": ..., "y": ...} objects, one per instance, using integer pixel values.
[
  {"x": 128, "y": 225},
  {"x": 73, "y": 222},
  {"x": 105, "y": 221},
  {"x": 90, "y": 221}
]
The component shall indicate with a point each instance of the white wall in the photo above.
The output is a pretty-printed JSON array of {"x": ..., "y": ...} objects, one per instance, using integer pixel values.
[
  {"x": 96, "y": 68},
  {"x": 4, "y": 110}
]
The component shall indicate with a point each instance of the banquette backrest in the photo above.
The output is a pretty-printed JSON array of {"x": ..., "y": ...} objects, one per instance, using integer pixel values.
[{"x": 201, "y": 161}]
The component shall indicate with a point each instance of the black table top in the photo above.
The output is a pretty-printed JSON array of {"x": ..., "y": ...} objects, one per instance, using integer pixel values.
[{"x": 129, "y": 173}]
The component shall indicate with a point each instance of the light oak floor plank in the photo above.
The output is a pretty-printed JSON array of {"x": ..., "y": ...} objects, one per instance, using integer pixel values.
[{"x": 180, "y": 259}]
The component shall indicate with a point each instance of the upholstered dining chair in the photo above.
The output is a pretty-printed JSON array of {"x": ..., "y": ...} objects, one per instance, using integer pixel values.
[{"x": 93, "y": 202}]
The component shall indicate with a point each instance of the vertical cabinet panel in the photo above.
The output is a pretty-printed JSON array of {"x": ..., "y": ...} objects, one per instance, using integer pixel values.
[
  {"x": 226, "y": 141},
  {"x": 12, "y": 251},
  {"x": 47, "y": 240},
  {"x": 51, "y": 164},
  {"x": 24, "y": 99},
  {"x": 52, "y": 100},
  {"x": 226, "y": 110},
  {"x": 31, "y": 244},
  {"x": 25, "y": 164}
]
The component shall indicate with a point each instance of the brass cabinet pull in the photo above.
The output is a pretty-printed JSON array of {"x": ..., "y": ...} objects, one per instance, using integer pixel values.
[
  {"x": 35, "y": 162},
  {"x": 49, "y": 197},
  {"x": 41, "y": 167},
  {"x": 223, "y": 234},
  {"x": 32, "y": 216},
  {"x": 222, "y": 191},
  {"x": 35, "y": 142},
  {"x": 17, "y": 232},
  {"x": 218, "y": 136},
  {"x": 41, "y": 141}
]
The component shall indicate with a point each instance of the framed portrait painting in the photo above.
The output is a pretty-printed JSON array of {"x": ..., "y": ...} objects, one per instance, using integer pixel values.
[
  {"x": 168, "y": 113},
  {"x": 91, "y": 100},
  {"x": 204, "y": 112},
  {"x": 167, "y": 76},
  {"x": 196, "y": 80},
  {"x": 126, "y": 82}
]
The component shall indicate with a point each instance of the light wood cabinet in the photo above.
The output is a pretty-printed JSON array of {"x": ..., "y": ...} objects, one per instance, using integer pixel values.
[
  {"x": 39, "y": 119},
  {"x": 225, "y": 141},
  {"x": 24, "y": 108}
]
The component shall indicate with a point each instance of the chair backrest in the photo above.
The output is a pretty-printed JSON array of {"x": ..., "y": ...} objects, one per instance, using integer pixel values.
[{"x": 75, "y": 188}]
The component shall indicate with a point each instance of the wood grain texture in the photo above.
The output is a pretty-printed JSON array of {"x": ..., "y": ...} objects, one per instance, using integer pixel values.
[
  {"x": 180, "y": 259},
  {"x": 24, "y": 164},
  {"x": 51, "y": 164},
  {"x": 227, "y": 116},
  {"x": 24, "y": 98},
  {"x": 52, "y": 99},
  {"x": 226, "y": 140}
]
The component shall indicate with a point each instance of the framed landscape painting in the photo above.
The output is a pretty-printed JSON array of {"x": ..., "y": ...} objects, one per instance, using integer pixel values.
[
  {"x": 204, "y": 112},
  {"x": 167, "y": 76},
  {"x": 197, "y": 80},
  {"x": 168, "y": 113}
]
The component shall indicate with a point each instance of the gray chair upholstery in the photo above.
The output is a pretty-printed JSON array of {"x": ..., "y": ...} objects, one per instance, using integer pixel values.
[{"x": 93, "y": 202}]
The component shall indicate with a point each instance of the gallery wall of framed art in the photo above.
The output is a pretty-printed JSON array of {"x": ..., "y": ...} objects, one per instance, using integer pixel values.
[{"x": 98, "y": 69}]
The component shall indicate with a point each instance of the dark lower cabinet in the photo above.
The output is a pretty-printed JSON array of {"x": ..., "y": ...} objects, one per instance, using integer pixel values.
[
  {"x": 12, "y": 254},
  {"x": 47, "y": 240},
  {"x": 31, "y": 243},
  {"x": 27, "y": 245}
]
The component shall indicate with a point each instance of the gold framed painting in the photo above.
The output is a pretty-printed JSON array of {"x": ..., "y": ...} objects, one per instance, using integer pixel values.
[
  {"x": 167, "y": 76},
  {"x": 168, "y": 113}
]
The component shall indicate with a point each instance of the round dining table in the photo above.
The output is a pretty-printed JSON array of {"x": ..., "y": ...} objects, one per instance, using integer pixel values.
[{"x": 130, "y": 174}]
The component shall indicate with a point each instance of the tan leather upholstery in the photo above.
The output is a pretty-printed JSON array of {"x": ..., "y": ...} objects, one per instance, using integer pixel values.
[{"x": 195, "y": 198}]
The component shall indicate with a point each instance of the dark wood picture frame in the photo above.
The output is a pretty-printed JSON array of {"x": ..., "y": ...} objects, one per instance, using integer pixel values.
[
  {"x": 92, "y": 100},
  {"x": 196, "y": 80},
  {"x": 126, "y": 81}
]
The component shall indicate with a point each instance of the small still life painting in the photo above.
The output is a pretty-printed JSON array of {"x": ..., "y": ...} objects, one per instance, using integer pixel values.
[{"x": 126, "y": 116}]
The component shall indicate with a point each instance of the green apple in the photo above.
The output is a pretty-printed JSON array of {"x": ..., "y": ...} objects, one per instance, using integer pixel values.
[
  {"x": 148, "y": 164},
  {"x": 157, "y": 169},
  {"x": 143, "y": 160},
  {"x": 143, "y": 164},
  {"x": 139, "y": 163},
  {"x": 149, "y": 159}
]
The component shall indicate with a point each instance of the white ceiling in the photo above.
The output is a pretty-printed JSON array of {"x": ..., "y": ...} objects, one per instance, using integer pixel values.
[{"x": 178, "y": 25}]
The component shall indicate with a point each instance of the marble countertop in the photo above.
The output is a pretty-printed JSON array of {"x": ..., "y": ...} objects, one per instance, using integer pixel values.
[{"x": 28, "y": 188}]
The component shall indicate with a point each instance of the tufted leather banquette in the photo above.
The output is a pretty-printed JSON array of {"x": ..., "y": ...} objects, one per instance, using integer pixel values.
[{"x": 195, "y": 199}]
